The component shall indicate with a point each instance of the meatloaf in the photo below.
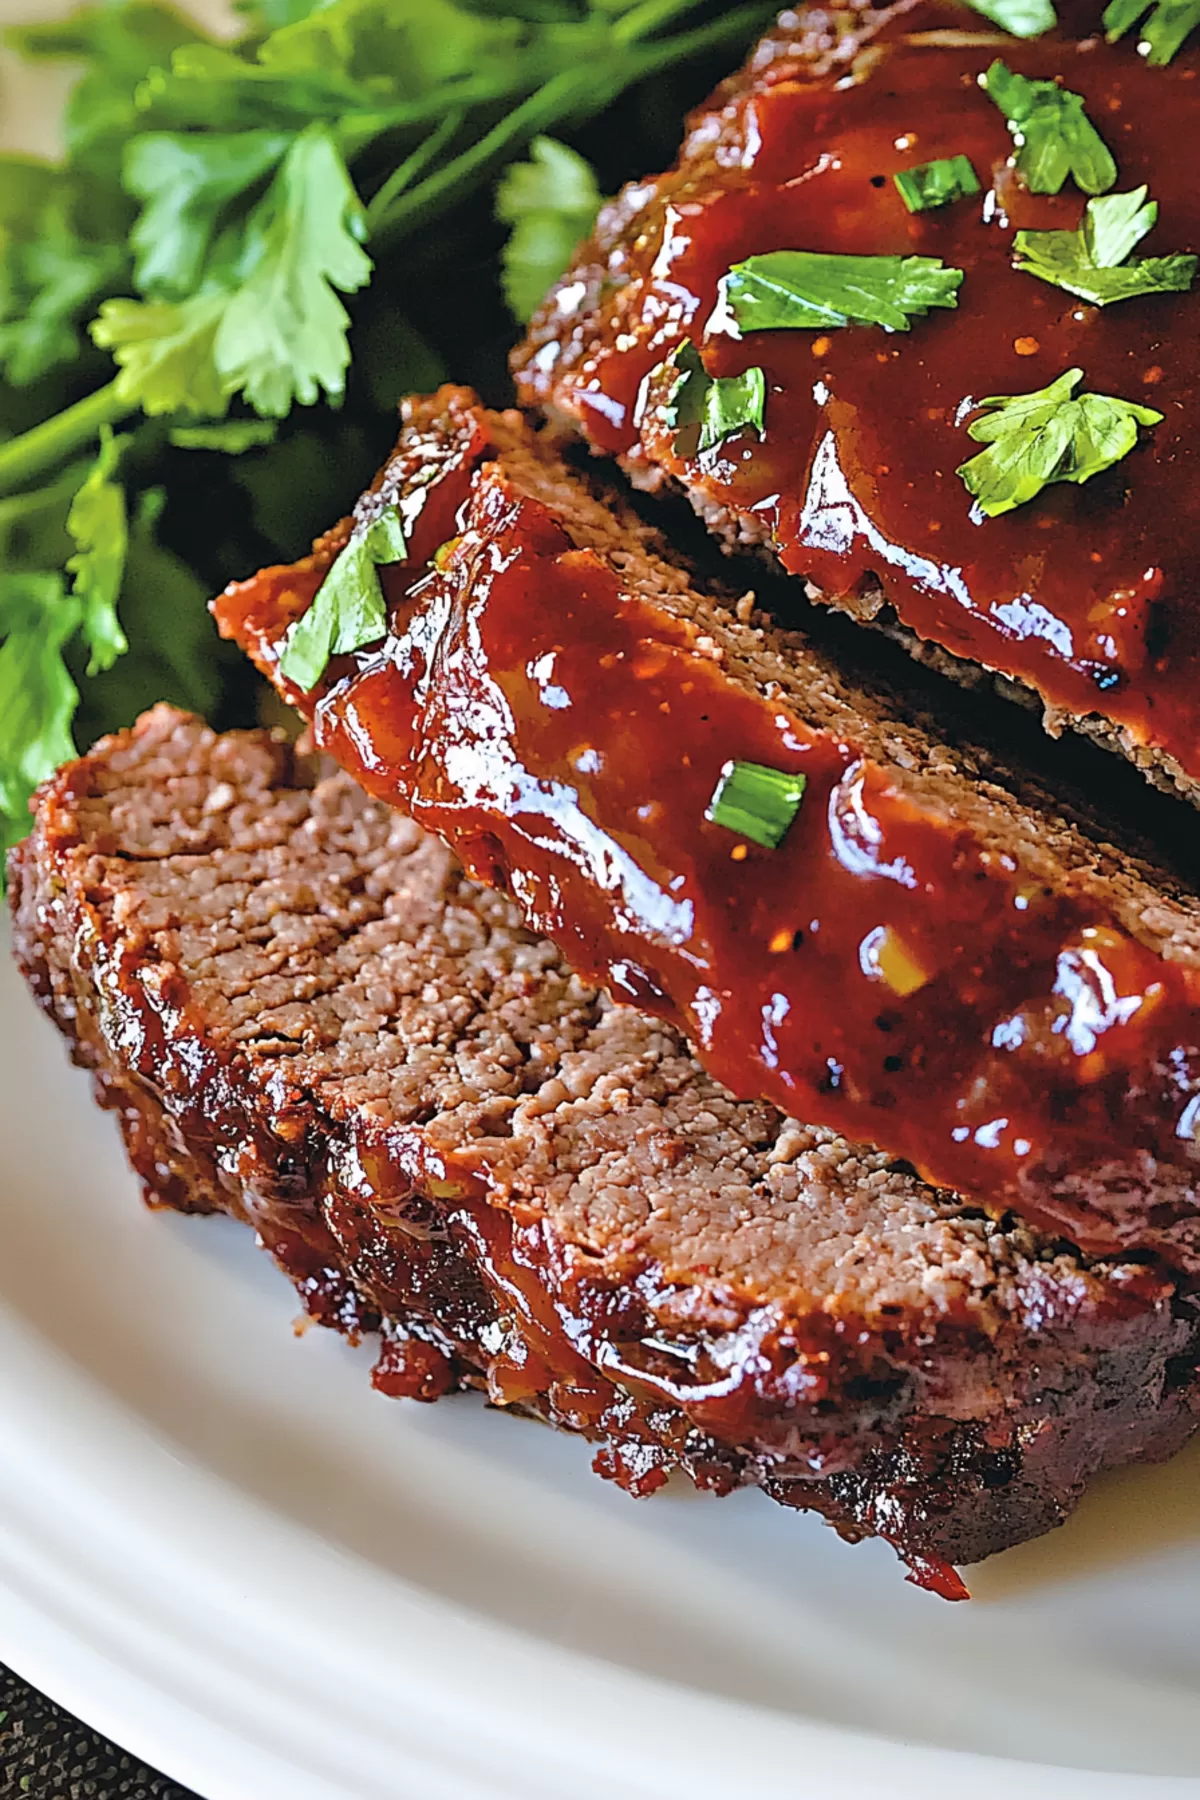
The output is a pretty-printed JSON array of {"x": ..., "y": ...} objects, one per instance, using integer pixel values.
[
  {"x": 1083, "y": 599},
  {"x": 303, "y": 1014},
  {"x": 934, "y": 957}
]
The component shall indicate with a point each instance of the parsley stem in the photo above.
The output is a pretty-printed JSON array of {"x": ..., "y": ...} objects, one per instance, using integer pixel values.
[
  {"x": 569, "y": 94},
  {"x": 543, "y": 107},
  {"x": 648, "y": 17},
  {"x": 401, "y": 176},
  {"x": 742, "y": 26},
  {"x": 50, "y": 443}
]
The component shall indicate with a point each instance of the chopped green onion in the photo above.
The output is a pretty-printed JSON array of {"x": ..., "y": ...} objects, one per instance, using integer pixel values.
[
  {"x": 936, "y": 183},
  {"x": 756, "y": 802}
]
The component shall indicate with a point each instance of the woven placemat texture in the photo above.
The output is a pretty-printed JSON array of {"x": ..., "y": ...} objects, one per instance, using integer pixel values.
[{"x": 45, "y": 1754}]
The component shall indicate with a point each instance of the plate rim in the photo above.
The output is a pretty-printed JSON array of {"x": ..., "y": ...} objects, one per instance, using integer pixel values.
[{"x": 46, "y": 1499}]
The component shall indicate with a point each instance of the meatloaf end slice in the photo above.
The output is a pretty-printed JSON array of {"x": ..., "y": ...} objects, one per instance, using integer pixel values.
[
  {"x": 304, "y": 1014},
  {"x": 936, "y": 956}
]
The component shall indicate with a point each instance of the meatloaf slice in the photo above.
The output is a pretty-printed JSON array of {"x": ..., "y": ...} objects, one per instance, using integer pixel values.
[
  {"x": 935, "y": 958},
  {"x": 305, "y": 1015},
  {"x": 1082, "y": 600}
]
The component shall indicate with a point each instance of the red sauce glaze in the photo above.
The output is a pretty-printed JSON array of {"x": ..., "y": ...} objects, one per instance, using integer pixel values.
[
  {"x": 1088, "y": 593},
  {"x": 882, "y": 972}
]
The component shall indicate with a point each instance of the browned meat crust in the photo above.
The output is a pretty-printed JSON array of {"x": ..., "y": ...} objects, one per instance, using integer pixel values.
[{"x": 303, "y": 1014}]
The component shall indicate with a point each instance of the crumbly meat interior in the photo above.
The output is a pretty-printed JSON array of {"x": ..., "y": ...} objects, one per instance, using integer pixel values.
[{"x": 330, "y": 941}]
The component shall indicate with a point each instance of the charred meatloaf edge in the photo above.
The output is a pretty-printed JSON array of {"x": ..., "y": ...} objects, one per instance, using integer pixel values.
[
  {"x": 967, "y": 794},
  {"x": 304, "y": 1015},
  {"x": 827, "y": 39}
]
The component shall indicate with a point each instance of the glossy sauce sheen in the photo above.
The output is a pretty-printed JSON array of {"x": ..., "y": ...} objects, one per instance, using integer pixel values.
[
  {"x": 1088, "y": 593},
  {"x": 566, "y": 738}
]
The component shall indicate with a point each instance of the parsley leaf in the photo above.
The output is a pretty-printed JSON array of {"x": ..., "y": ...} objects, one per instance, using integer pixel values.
[
  {"x": 802, "y": 289},
  {"x": 164, "y": 351},
  {"x": 38, "y": 619},
  {"x": 391, "y": 62},
  {"x": 1047, "y": 436},
  {"x": 1023, "y": 18},
  {"x": 207, "y": 87},
  {"x": 1054, "y": 136},
  {"x": 1168, "y": 24},
  {"x": 706, "y": 409},
  {"x": 416, "y": 44},
  {"x": 1092, "y": 261},
  {"x": 551, "y": 202},
  {"x": 936, "y": 183},
  {"x": 282, "y": 335},
  {"x": 50, "y": 273},
  {"x": 96, "y": 521},
  {"x": 172, "y": 654},
  {"x": 37, "y": 695},
  {"x": 1115, "y": 225},
  {"x": 268, "y": 323},
  {"x": 349, "y": 610},
  {"x": 186, "y": 180}
]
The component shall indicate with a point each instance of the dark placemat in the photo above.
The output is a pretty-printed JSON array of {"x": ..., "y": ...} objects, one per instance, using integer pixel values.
[{"x": 45, "y": 1754}]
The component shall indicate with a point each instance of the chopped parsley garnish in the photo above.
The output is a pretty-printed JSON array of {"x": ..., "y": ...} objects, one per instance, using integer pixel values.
[
  {"x": 756, "y": 802},
  {"x": 1054, "y": 136},
  {"x": 1168, "y": 24},
  {"x": 1023, "y": 18},
  {"x": 936, "y": 183},
  {"x": 1035, "y": 439},
  {"x": 1094, "y": 261},
  {"x": 788, "y": 290},
  {"x": 718, "y": 404},
  {"x": 348, "y": 611}
]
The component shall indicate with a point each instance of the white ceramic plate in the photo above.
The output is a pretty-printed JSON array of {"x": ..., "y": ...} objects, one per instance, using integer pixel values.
[{"x": 221, "y": 1547}]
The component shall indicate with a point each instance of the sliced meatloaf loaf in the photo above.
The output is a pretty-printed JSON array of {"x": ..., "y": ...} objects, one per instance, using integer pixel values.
[
  {"x": 1083, "y": 599},
  {"x": 850, "y": 913},
  {"x": 304, "y": 1014}
]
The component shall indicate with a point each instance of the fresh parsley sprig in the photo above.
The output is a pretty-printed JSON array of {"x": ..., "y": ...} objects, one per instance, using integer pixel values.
[
  {"x": 240, "y": 283},
  {"x": 706, "y": 409},
  {"x": 1047, "y": 436},
  {"x": 787, "y": 290},
  {"x": 217, "y": 215},
  {"x": 266, "y": 320},
  {"x": 1096, "y": 261},
  {"x": 1165, "y": 25},
  {"x": 1053, "y": 134}
]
